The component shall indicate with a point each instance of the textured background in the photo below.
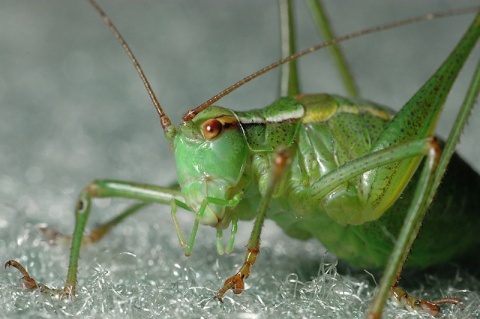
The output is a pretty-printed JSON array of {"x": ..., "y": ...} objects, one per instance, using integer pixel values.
[{"x": 73, "y": 109}]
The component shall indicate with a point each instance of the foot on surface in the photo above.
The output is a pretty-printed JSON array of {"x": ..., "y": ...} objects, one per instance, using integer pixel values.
[
  {"x": 401, "y": 298},
  {"x": 31, "y": 284}
]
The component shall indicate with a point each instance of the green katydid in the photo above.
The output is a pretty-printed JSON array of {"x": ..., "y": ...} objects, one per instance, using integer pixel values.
[{"x": 229, "y": 120}]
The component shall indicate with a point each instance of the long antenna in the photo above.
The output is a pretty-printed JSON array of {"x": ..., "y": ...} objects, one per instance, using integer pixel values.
[
  {"x": 167, "y": 126},
  {"x": 164, "y": 119},
  {"x": 188, "y": 116}
]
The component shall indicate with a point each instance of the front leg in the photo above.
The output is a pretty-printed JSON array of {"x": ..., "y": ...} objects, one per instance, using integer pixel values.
[
  {"x": 281, "y": 164},
  {"x": 97, "y": 189}
]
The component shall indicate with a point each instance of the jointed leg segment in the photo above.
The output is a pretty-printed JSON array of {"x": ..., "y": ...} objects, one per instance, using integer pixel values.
[
  {"x": 431, "y": 307},
  {"x": 282, "y": 162},
  {"x": 102, "y": 188}
]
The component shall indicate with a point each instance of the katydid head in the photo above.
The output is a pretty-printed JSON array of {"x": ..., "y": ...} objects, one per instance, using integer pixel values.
[{"x": 211, "y": 154}]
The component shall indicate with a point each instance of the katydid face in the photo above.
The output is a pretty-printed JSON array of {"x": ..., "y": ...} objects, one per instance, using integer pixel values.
[{"x": 210, "y": 166}]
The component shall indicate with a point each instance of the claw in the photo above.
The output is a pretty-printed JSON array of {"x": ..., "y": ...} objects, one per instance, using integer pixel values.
[
  {"x": 235, "y": 283},
  {"x": 431, "y": 307},
  {"x": 426, "y": 306},
  {"x": 27, "y": 281},
  {"x": 31, "y": 284}
]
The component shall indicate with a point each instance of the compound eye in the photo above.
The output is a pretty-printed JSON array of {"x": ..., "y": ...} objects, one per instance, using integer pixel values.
[{"x": 212, "y": 128}]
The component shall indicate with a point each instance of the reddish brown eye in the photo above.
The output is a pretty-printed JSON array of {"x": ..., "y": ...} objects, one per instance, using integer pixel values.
[{"x": 212, "y": 128}]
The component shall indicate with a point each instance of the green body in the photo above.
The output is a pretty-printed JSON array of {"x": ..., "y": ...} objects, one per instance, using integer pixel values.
[
  {"x": 359, "y": 219},
  {"x": 324, "y": 132}
]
